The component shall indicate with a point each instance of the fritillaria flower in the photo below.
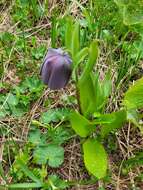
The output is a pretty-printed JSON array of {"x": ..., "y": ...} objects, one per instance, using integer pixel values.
[{"x": 56, "y": 69}]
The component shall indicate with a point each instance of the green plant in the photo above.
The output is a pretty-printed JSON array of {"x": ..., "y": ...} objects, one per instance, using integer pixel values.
[
  {"x": 18, "y": 101},
  {"x": 92, "y": 95},
  {"x": 107, "y": 58},
  {"x": 37, "y": 176},
  {"x": 45, "y": 148}
]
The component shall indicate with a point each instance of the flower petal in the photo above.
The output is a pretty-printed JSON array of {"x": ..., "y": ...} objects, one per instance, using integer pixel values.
[
  {"x": 59, "y": 76},
  {"x": 56, "y": 69}
]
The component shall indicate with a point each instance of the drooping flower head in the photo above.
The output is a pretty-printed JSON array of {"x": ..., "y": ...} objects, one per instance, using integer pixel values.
[{"x": 56, "y": 69}]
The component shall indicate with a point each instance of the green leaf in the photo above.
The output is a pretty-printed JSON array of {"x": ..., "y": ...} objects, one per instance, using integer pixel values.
[
  {"x": 107, "y": 85},
  {"x": 35, "y": 136},
  {"x": 93, "y": 54},
  {"x": 89, "y": 19},
  {"x": 48, "y": 117},
  {"x": 87, "y": 96},
  {"x": 24, "y": 185},
  {"x": 52, "y": 153},
  {"x": 95, "y": 158},
  {"x": 133, "y": 117},
  {"x": 93, "y": 93},
  {"x": 80, "y": 56},
  {"x": 136, "y": 160},
  {"x": 38, "y": 52},
  {"x": 54, "y": 115},
  {"x": 68, "y": 33},
  {"x": 133, "y": 98},
  {"x": 81, "y": 125},
  {"x": 75, "y": 44},
  {"x": 102, "y": 90},
  {"x": 17, "y": 111},
  {"x": 116, "y": 121},
  {"x": 12, "y": 100},
  {"x": 57, "y": 183},
  {"x": 26, "y": 170},
  {"x": 33, "y": 84},
  {"x": 58, "y": 135},
  {"x": 98, "y": 92},
  {"x": 2, "y": 114},
  {"x": 86, "y": 85}
]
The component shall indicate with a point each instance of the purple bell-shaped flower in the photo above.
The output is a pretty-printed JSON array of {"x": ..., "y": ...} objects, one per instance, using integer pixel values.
[{"x": 56, "y": 69}]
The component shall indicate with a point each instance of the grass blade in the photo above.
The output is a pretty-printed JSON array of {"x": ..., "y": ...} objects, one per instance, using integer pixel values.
[{"x": 27, "y": 171}]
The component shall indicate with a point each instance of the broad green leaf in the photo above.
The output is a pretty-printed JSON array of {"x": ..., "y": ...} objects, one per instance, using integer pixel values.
[
  {"x": 81, "y": 125},
  {"x": 95, "y": 158},
  {"x": 133, "y": 98},
  {"x": 85, "y": 84},
  {"x": 87, "y": 96},
  {"x": 93, "y": 54},
  {"x": 53, "y": 154},
  {"x": 75, "y": 44},
  {"x": 116, "y": 121}
]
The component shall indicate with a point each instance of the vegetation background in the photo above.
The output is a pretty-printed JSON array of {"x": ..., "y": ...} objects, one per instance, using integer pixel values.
[{"x": 34, "y": 120}]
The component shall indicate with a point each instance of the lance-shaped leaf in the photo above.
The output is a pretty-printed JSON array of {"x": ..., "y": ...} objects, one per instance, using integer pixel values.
[
  {"x": 68, "y": 32},
  {"x": 75, "y": 43},
  {"x": 85, "y": 84},
  {"x": 80, "y": 56},
  {"x": 87, "y": 96},
  {"x": 93, "y": 54}
]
